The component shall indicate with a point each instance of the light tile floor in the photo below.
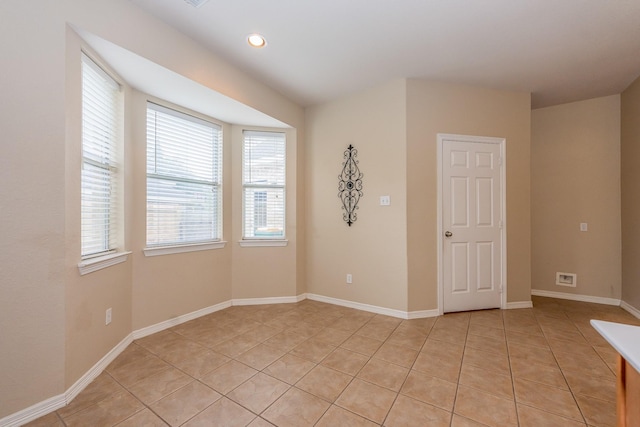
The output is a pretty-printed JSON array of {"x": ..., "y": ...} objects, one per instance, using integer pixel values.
[{"x": 312, "y": 363}]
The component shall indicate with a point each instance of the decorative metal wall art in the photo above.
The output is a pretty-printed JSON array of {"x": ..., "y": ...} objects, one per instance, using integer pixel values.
[{"x": 350, "y": 185}]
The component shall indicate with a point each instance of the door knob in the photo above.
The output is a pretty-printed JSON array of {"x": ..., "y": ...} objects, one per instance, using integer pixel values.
[{"x": 448, "y": 234}]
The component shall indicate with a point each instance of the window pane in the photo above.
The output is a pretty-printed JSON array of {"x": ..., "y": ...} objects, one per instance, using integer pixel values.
[
  {"x": 182, "y": 148},
  {"x": 96, "y": 209},
  {"x": 264, "y": 212},
  {"x": 100, "y": 132},
  {"x": 180, "y": 212},
  {"x": 264, "y": 158},
  {"x": 184, "y": 156},
  {"x": 259, "y": 209},
  {"x": 263, "y": 178}
]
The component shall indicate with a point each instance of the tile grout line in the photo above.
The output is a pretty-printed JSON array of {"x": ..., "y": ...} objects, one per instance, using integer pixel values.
[
  {"x": 513, "y": 382},
  {"x": 408, "y": 373},
  {"x": 455, "y": 396},
  {"x": 560, "y": 368},
  {"x": 600, "y": 358},
  {"x": 360, "y": 370},
  {"x": 316, "y": 365},
  {"x": 290, "y": 386},
  {"x": 249, "y": 321}
]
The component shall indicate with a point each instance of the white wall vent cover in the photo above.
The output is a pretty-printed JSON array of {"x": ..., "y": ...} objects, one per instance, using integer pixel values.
[{"x": 566, "y": 279}]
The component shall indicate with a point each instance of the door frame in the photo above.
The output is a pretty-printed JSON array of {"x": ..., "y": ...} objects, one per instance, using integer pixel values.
[{"x": 442, "y": 137}]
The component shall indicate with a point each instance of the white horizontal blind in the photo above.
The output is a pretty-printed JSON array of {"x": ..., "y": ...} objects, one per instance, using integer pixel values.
[
  {"x": 101, "y": 101},
  {"x": 184, "y": 171},
  {"x": 263, "y": 177}
]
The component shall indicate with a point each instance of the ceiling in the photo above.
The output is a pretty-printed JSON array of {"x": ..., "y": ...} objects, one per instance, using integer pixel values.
[
  {"x": 559, "y": 50},
  {"x": 167, "y": 85}
]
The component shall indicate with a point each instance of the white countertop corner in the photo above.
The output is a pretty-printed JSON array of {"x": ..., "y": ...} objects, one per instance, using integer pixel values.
[{"x": 624, "y": 338}]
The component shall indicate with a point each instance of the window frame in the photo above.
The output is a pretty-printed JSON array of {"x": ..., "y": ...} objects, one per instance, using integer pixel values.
[
  {"x": 262, "y": 241},
  {"x": 113, "y": 253},
  {"x": 167, "y": 247},
  {"x": 109, "y": 164}
]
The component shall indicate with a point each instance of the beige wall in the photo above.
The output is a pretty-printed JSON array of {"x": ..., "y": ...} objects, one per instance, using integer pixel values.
[
  {"x": 395, "y": 127},
  {"x": 51, "y": 318},
  {"x": 32, "y": 207},
  {"x": 630, "y": 150},
  {"x": 434, "y": 108},
  {"x": 301, "y": 213},
  {"x": 88, "y": 297},
  {"x": 263, "y": 272},
  {"x": 374, "y": 248},
  {"x": 168, "y": 286},
  {"x": 575, "y": 175}
]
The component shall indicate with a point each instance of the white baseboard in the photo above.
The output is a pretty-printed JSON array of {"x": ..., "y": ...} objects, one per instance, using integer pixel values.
[
  {"x": 45, "y": 407},
  {"x": 56, "y": 402},
  {"x": 33, "y": 412},
  {"x": 374, "y": 308},
  {"x": 519, "y": 304},
  {"x": 575, "y": 297},
  {"x": 149, "y": 330},
  {"x": 421, "y": 314},
  {"x": 170, "y": 323},
  {"x": 97, "y": 369},
  {"x": 631, "y": 309},
  {"x": 269, "y": 300}
]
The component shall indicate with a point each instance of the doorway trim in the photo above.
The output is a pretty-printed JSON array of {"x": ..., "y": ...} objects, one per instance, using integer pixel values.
[{"x": 442, "y": 137}]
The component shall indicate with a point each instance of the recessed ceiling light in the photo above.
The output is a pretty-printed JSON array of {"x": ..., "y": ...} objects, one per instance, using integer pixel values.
[
  {"x": 256, "y": 40},
  {"x": 196, "y": 3}
]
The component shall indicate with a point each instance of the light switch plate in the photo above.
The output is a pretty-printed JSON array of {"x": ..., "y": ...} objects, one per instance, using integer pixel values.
[{"x": 584, "y": 226}]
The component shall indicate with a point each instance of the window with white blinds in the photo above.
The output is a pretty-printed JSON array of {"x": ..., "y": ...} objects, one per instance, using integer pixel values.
[
  {"x": 263, "y": 179},
  {"x": 184, "y": 173},
  {"x": 101, "y": 103}
]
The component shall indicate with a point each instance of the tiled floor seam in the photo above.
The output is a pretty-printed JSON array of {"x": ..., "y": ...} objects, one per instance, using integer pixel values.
[
  {"x": 186, "y": 373},
  {"x": 549, "y": 310},
  {"x": 455, "y": 396},
  {"x": 106, "y": 397},
  {"x": 330, "y": 403},
  {"x": 584, "y": 419},
  {"x": 513, "y": 383},
  {"x": 160, "y": 416},
  {"x": 410, "y": 368},
  {"x": 404, "y": 381}
]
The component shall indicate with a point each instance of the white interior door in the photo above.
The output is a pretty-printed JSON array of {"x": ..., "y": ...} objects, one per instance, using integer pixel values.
[{"x": 471, "y": 223}]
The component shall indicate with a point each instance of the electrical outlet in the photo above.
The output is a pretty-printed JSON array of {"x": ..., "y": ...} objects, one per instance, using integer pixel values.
[
  {"x": 107, "y": 319},
  {"x": 349, "y": 278}
]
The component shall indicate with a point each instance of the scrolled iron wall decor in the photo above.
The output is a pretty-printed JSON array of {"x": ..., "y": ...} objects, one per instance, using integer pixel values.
[{"x": 350, "y": 185}]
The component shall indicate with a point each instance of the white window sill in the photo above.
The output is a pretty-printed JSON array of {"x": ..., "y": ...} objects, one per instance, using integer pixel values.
[
  {"x": 263, "y": 243},
  {"x": 98, "y": 263},
  {"x": 177, "y": 249}
]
